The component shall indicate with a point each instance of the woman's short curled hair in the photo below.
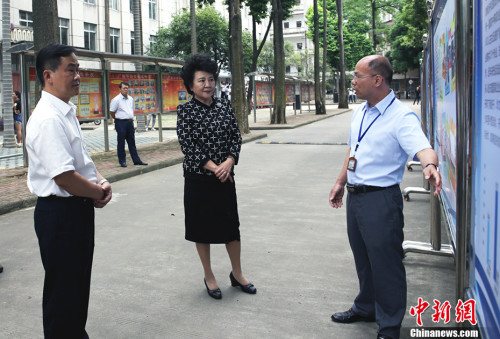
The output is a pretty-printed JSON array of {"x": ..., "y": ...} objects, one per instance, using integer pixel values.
[{"x": 197, "y": 62}]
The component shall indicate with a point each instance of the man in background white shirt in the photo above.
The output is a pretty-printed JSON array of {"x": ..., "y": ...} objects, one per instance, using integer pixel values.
[
  {"x": 122, "y": 110},
  {"x": 68, "y": 185}
]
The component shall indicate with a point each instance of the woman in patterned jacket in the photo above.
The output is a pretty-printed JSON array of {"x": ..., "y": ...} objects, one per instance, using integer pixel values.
[{"x": 211, "y": 141}]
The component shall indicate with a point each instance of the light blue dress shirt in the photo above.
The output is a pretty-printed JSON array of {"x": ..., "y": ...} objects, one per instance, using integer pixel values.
[{"x": 383, "y": 151}]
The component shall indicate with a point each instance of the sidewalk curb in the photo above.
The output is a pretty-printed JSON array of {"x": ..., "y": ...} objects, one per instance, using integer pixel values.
[
  {"x": 31, "y": 201},
  {"x": 285, "y": 126}
]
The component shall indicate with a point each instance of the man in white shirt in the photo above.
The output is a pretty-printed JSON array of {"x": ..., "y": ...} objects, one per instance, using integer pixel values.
[
  {"x": 122, "y": 110},
  {"x": 68, "y": 185}
]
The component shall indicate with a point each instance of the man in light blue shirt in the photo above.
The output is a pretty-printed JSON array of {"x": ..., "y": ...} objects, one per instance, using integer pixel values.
[{"x": 383, "y": 133}]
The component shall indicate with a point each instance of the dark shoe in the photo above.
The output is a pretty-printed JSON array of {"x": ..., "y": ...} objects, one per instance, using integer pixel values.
[
  {"x": 250, "y": 288},
  {"x": 216, "y": 294},
  {"x": 350, "y": 317},
  {"x": 122, "y": 164},
  {"x": 140, "y": 163},
  {"x": 1, "y": 268},
  {"x": 382, "y": 336}
]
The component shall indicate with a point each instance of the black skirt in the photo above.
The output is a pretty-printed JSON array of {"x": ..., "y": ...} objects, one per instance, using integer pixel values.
[{"x": 211, "y": 210}]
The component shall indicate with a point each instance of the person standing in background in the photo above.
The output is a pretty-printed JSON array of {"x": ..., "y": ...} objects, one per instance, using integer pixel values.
[
  {"x": 18, "y": 118},
  {"x": 122, "y": 110}
]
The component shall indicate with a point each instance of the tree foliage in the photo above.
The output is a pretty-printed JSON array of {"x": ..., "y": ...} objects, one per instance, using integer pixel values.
[
  {"x": 406, "y": 35},
  {"x": 355, "y": 28}
]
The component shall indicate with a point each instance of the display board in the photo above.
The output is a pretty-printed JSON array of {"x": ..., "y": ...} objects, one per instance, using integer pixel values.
[
  {"x": 445, "y": 107},
  {"x": 32, "y": 81},
  {"x": 264, "y": 93},
  {"x": 485, "y": 199},
  {"x": 142, "y": 87},
  {"x": 428, "y": 92},
  {"x": 290, "y": 93},
  {"x": 89, "y": 99},
  {"x": 174, "y": 92}
]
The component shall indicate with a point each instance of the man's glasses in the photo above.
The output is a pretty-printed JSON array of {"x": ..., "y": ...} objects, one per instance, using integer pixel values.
[{"x": 363, "y": 76}]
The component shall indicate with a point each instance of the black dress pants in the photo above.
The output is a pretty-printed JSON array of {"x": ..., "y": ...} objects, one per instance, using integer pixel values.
[{"x": 65, "y": 231}]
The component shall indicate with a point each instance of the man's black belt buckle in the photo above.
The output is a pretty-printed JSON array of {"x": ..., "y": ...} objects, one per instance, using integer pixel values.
[{"x": 364, "y": 188}]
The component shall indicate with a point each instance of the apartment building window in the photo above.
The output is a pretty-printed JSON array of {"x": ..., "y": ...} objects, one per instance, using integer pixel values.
[
  {"x": 299, "y": 45},
  {"x": 92, "y": 2},
  {"x": 131, "y": 2},
  {"x": 114, "y": 40},
  {"x": 286, "y": 24},
  {"x": 152, "y": 9},
  {"x": 288, "y": 69},
  {"x": 25, "y": 19},
  {"x": 89, "y": 34},
  {"x": 63, "y": 31},
  {"x": 299, "y": 23},
  {"x": 152, "y": 40},
  {"x": 132, "y": 43},
  {"x": 297, "y": 2},
  {"x": 113, "y": 4}
]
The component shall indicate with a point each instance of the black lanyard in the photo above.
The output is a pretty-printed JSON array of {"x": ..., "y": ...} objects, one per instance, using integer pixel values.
[{"x": 361, "y": 136}]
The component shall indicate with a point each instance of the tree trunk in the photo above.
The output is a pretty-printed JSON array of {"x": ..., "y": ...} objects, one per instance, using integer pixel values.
[
  {"x": 279, "y": 108},
  {"x": 324, "y": 51},
  {"x": 342, "y": 85},
  {"x": 192, "y": 8},
  {"x": 45, "y": 29},
  {"x": 138, "y": 49},
  {"x": 255, "y": 57},
  {"x": 237, "y": 69},
  {"x": 9, "y": 140},
  {"x": 318, "y": 97},
  {"x": 374, "y": 18}
]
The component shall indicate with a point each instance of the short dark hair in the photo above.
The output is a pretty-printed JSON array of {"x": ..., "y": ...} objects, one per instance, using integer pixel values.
[
  {"x": 18, "y": 94},
  {"x": 123, "y": 83},
  {"x": 49, "y": 58},
  {"x": 198, "y": 62},
  {"x": 381, "y": 65}
]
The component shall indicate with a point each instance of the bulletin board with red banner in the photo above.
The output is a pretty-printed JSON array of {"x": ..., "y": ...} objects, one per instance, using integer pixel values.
[
  {"x": 264, "y": 93},
  {"x": 174, "y": 92},
  {"x": 32, "y": 81},
  {"x": 307, "y": 92},
  {"x": 142, "y": 87},
  {"x": 290, "y": 93},
  {"x": 89, "y": 99}
]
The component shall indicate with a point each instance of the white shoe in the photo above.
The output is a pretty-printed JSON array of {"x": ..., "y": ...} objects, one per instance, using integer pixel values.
[
  {"x": 153, "y": 129},
  {"x": 146, "y": 129},
  {"x": 19, "y": 144}
]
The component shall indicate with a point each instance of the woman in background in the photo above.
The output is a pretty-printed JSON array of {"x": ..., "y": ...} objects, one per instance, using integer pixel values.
[{"x": 18, "y": 118}]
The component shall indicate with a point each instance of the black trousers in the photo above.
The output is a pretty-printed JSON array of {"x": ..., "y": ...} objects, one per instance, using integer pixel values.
[
  {"x": 375, "y": 229},
  {"x": 65, "y": 231},
  {"x": 125, "y": 132}
]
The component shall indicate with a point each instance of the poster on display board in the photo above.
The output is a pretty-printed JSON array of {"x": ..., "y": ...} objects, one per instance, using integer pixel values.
[
  {"x": 32, "y": 81},
  {"x": 445, "y": 109},
  {"x": 264, "y": 93},
  {"x": 89, "y": 99},
  {"x": 304, "y": 93},
  {"x": 485, "y": 219},
  {"x": 174, "y": 92},
  {"x": 142, "y": 87},
  {"x": 290, "y": 93},
  {"x": 427, "y": 89}
]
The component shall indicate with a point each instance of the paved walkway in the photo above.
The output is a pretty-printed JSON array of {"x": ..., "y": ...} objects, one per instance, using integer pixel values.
[{"x": 15, "y": 194}]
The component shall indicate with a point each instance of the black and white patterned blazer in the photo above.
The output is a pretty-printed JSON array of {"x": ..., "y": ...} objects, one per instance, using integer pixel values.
[{"x": 207, "y": 133}]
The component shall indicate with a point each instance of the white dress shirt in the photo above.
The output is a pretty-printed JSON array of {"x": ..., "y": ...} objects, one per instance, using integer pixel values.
[
  {"x": 122, "y": 106},
  {"x": 55, "y": 145}
]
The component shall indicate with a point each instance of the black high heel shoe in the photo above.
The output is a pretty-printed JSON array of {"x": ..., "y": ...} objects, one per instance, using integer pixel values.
[
  {"x": 216, "y": 294},
  {"x": 250, "y": 288}
]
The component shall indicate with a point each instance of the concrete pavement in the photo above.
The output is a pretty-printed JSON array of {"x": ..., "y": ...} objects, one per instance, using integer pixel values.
[{"x": 148, "y": 282}]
